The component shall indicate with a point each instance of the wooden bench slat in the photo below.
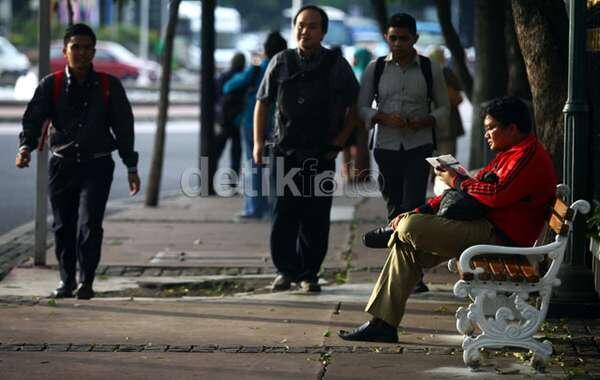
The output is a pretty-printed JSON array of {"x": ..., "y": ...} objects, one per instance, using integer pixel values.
[
  {"x": 477, "y": 262},
  {"x": 562, "y": 210},
  {"x": 530, "y": 271},
  {"x": 502, "y": 268},
  {"x": 512, "y": 265},
  {"x": 498, "y": 269},
  {"x": 557, "y": 225}
]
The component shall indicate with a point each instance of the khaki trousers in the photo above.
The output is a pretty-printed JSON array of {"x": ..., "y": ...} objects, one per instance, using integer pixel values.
[{"x": 420, "y": 241}]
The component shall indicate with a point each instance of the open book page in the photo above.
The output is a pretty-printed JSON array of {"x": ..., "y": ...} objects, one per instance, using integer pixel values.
[{"x": 447, "y": 160}]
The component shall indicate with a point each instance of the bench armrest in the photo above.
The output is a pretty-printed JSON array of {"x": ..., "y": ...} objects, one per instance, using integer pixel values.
[{"x": 464, "y": 262}]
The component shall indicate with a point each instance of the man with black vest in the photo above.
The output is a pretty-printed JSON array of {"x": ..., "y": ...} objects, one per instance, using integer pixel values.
[
  {"x": 314, "y": 92},
  {"x": 90, "y": 117}
]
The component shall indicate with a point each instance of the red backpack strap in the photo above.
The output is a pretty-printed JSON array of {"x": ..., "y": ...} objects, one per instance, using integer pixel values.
[
  {"x": 105, "y": 87},
  {"x": 57, "y": 86}
]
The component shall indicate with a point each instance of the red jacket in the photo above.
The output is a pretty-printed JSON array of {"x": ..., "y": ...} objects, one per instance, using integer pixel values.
[{"x": 518, "y": 202}]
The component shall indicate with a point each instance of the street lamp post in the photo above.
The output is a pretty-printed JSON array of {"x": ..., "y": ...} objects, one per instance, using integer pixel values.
[
  {"x": 576, "y": 295},
  {"x": 41, "y": 183}
]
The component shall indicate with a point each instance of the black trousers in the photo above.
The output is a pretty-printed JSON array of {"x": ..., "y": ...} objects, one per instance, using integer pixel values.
[
  {"x": 231, "y": 131},
  {"x": 301, "y": 215},
  {"x": 78, "y": 195},
  {"x": 403, "y": 177}
]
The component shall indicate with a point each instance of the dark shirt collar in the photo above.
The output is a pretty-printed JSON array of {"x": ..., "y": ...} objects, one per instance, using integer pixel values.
[
  {"x": 91, "y": 75},
  {"x": 313, "y": 58}
]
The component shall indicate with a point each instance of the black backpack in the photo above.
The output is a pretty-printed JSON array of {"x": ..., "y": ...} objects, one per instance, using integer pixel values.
[
  {"x": 305, "y": 121},
  {"x": 425, "y": 65}
]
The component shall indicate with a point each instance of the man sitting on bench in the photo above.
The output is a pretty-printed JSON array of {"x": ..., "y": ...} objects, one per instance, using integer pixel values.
[{"x": 517, "y": 188}]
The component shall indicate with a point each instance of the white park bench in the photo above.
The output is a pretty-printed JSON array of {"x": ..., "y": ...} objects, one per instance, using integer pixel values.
[{"x": 510, "y": 288}]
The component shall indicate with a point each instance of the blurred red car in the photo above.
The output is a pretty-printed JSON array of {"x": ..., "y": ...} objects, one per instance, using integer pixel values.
[{"x": 111, "y": 58}]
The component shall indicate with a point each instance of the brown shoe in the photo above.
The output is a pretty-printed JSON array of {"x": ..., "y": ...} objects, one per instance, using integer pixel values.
[{"x": 281, "y": 283}]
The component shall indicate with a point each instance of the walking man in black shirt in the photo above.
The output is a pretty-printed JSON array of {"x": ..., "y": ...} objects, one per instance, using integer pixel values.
[{"x": 90, "y": 117}]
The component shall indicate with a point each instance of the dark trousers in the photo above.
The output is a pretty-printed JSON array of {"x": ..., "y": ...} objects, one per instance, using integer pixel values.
[
  {"x": 403, "y": 177},
  {"x": 230, "y": 130},
  {"x": 300, "y": 222},
  {"x": 78, "y": 195}
]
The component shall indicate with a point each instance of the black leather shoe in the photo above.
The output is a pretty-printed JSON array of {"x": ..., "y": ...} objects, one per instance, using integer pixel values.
[
  {"x": 281, "y": 283},
  {"x": 369, "y": 332},
  {"x": 378, "y": 238},
  {"x": 420, "y": 288},
  {"x": 84, "y": 292},
  {"x": 63, "y": 291}
]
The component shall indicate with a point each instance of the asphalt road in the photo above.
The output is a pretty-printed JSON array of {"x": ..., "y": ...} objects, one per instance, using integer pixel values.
[{"x": 17, "y": 187}]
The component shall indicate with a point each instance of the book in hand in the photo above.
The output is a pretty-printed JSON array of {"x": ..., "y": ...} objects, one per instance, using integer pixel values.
[{"x": 447, "y": 160}]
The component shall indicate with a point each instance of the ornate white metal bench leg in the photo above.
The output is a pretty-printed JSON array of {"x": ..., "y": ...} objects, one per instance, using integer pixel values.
[{"x": 463, "y": 324}]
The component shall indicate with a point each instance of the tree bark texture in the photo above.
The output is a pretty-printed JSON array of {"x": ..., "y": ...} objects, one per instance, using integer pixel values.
[
  {"x": 70, "y": 11},
  {"x": 207, "y": 90},
  {"x": 459, "y": 65},
  {"x": 542, "y": 32},
  {"x": 380, "y": 11},
  {"x": 158, "y": 152},
  {"x": 490, "y": 70},
  {"x": 518, "y": 83}
]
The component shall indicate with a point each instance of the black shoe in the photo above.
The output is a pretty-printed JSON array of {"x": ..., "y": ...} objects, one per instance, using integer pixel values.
[
  {"x": 310, "y": 286},
  {"x": 84, "y": 292},
  {"x": 420, "y": 288},
  {"x": 369, "y": 332},
  {"x": 281, "y": 283},
  {"x": 63, "y": 291},
  {"x": 378, "y": 238}
]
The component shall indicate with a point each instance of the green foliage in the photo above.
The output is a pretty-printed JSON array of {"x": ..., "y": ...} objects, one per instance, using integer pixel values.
[{"x": 593, "y": 222}]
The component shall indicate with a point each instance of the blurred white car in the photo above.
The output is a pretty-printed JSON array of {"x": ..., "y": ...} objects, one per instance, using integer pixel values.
[{"x": 13, "y": 64}]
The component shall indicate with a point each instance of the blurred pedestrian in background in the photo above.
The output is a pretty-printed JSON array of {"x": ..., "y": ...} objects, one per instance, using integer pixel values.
[
  {"x": 355, "y": 157},
  {"x": 256, "y": 204},
  {"x": 229, "y": 109},
  {"x": 446, "y": 137}
]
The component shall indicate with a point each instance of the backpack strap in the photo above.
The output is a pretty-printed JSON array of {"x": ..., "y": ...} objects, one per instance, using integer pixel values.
[
  {"x": 425, "y": 65},
  {"x": 57, "y": 87},
  {"x": 290, "y": 62},
  {"x": 105, "y": 88},
  {"x": 379, "y": 66}
]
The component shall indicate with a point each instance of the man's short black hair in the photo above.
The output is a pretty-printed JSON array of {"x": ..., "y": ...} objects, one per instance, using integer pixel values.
[
  {"x": 403, "y": 20},
  {"x": 509, "y": 110},
  {"x": 274, "y": 44},
  {"x": 78, "y": 30},
  {"x": 324, "y": 17}
]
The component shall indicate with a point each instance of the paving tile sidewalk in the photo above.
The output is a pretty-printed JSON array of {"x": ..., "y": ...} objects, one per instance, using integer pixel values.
[{"x": 254, "y": 335}]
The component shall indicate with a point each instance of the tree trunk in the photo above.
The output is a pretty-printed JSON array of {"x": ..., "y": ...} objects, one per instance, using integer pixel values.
[
  {"x": 207, "y": 91},
  {"x": 459, "y": 65},
  {"x": 490, "y": 70},
  {"x": 70, "y": 11},
  {"x": 542, "y": 32},
  {"x": 153, "y": 190},
  {"x": 518, "y": 83},
  {"x": 380, "y": 10}
]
